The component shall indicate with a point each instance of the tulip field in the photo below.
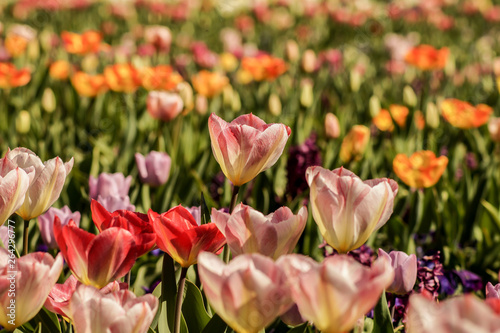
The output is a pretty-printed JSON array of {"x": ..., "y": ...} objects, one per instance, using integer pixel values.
[{"x": 211, "y": 166}]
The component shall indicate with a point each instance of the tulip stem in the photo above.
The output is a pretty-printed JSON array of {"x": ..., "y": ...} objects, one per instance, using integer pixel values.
[
  {"x": 226, "y": 253},
  {"x": 25, "y": 236},
  {"x": 178, "y": 303}
]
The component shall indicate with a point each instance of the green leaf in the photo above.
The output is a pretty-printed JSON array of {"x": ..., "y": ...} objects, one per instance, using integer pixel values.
[
  {"x": 48, "y": 320},
  {"x": 216, "y": 324},
  {"x": 299, "y": 329},
  {"x": 205, "y": 211},
  {"x": 193, "y": 309},
  {"x": 492, "y": 212},
  {"x": 382, "y": 320},
  {"x": 166, "y": 291}
]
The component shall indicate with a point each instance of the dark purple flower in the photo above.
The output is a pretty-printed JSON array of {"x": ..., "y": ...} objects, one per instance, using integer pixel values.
[
  {"x": 149, "y": 290},
  {"x": 216, "y": 186},
  {"x": 364, "y": 255},
  {"x": 471, "y": 282},
  {"x": 428, "y": 272},
  {"x": 471, "y": 161},
  {"x": 448, "y": 283}
]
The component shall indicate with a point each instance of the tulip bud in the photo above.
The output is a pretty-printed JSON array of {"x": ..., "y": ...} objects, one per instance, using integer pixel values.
[
  {"x": 48, "y": 100},
  {"x": 90, "y": 63},
  {"x": 374, "y": 105},
  {"x": 274, "y": 105},
  {"x": 356, "y": 80},
  {"x": 306, "y": 94},
  {"x": 236, "y": 105},
  {"x": 186, "y": 93},
  {"x": 164, "y": 105},
  {"x": 292, "y": 50},
  {"x": 201, "y": 104},
  {"x": 227, "y": 95},
  {"x": 228, "y": 62},
  {"x": 332, "y": 127},
  {"x": 33, "y": 50},
  {"x": 23, "y": 122},
  {"x": 494, "y": 129},
  {"x": 409, "y": 96},
  {"x": 432, "y": 115},
  {"x": 405, "y": 269},
  {"x": 309, "y": 61},
  {"x": 243, "y": 76}
]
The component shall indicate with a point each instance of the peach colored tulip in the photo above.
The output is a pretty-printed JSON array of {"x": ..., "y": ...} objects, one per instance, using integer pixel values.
[
  {"x": 346, "y": 209},
  {"x": 119, "y": 311},
  {"x": 209, "y": 84},
  {"x": 47, "y": 183},
  {"x": 383, "y": 121},
  {"x": 60, "y": 70},
  {"x": 46, "y": 223},
  {"x": 158, "y": 36},
  {"x": 160, "y": 77},
  {"x": 249, "y": 231},
  {"x": 332, "y": 126},
  {"x": 335, "y": 294},
  {"x": 248, "y": 293},
  {"x": 122, "y": 77},
  {"x": 461, "y": 314},
  {"x": 164, "y": 105},
  {"x": 399, "y": 113},
  {"x": 35, "y": 275},
  {"x": 426, "y": 57},
  {"x": 494, "y": 129},
  {"x": 89, "y": 85},
  {"x": 354, "y": 143},
  {"x": 14, "y": 183},
  {"x": 422, "y": 169},
  {"x": 264, "y": 67},
  {"x": 154, "y": 168},
  {"x": 246, "y": 146},
  {"x": 463, "y": 115},
  {"x": 405, "y": 271}
]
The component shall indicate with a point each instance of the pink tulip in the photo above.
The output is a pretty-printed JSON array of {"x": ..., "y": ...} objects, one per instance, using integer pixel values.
[
  {"x": 46, "y": 223},
  {"x": 109, "y": 184},
  {"x": 164, "y": 105},
  {"x": 47, "y": 183},
  {"x": 248, "y": 293},
  {"x": 14, "y": 183},
  {"x": 494, "y": 129},
  {"x": 4, "y": 236},
  {"x": 335, "y": 294},
  {"x": 405, "y": 271},
  {"x": 461, "y": 314},
  {"x": 346, "y": 209},
  {"x": 249, "y": 231},
  {"x": 96, "y": 260},
  {"x": 246, "y": 146},
  {"x": 332, "y": 126},
  {"x": 159, "y": 36},
  {"x": 113, "y": 203},
  {"x": 492, "y": 291},
  {"x": 119, "y": 311},
  {"x": 33, "y": 277},
  {"x": 154, "y": 168}
]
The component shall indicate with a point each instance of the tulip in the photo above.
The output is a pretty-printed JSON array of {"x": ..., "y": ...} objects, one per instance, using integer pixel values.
[
  {"x": 201, "y": 105},
  {"x": 399, "y": 113},
  {"x": 49, "y": 102},
  {"x": 374, "y": 106},
  {"x": 11, "y": 77},
  {"x": 494, "y": 129},
  {"x": 309, "y": 61},
  {"x": 465, "y": 313},
  {"x": 249, "y": 231},
  {"x": 335, "y": 294},
  {"x": 274, "y": 105},
  {"x": 35, "y": 274},
  {"x": 419, "y": 119},
  {"x": 114, "y": 202},
  {"x": 422, "y": 169},
  {"x": 154, "y": 168},
  {"x": 492, "y": 291},
  {"x": 109, "y": 184},
  {"x": 383, "y": 121},
  {"x": 119, "y": 311},
  {"x": 209, "y": 84},
  {"x": 228, "y": 62},
  {"x": 292, "y": 50},
  {"x": 346, "y": 209},
  {"x": 409, "y": 96},
  {"x": 432, "y": 115},
  {"x": 186, "y": 93},
  {"x": 159, "y": 36},
  {"x": 23, "y": 122},
  {"x": 426, "y": 57},
  {"x": 306, "y": 93},
  {"x": 405, "y": 271},
  {"x": 138, "y": 224},
  {"x": 463, "y": 115},
  {"x": 88, "y": 42},
  {"x": 246, "y": 146},
  {"x": 96, "y": 260},
  {"x": 15, "y": 44},
  {"x": 60, "y": 70},
  {"x": 248, "y": 293},
  {"x": 14, "y": 183},
  {"x": 354, "y": 143},
  {"x": 160, "y": 78},
  {"x": 164, "y": 105},
  {"x": 46, "y": 223},
  {"x": 122, "y": 77},
  {"x": 47, "y": 183},
  {"x": 178, "y": 234},
  {"x": 264, "y": 67},
  {"x": 332, "y": 126},
  {"x": 89, "y": 85}
]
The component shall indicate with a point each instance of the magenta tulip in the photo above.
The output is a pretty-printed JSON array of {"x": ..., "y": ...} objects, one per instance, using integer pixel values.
[
  {"x": 14, "y": 183},
  {"x": 246, "y": 146},
  {"x": 405, "y": 271},
  {"x": 154, "y": 168},
  {"x": 46, "y": 223}
]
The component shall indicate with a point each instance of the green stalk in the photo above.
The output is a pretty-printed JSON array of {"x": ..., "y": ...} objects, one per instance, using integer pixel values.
[
  {"x": 234, "y": 196},
  {"x": 25, "y": 236},
  {"x": 178, "y": 302}
]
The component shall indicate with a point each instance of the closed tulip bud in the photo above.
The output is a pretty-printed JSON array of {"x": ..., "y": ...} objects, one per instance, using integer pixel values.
[
  {"x": 309, "y": 61},
  {"x": 164, "y": 105},
  {"x": 227, "y": 95},
  {"x": 494, "y": 129},
  {"x": 405, "y": 271},
  {"x": 46, "y": 223},
  {"x": 23, "y": 122},
  {"x": 90, "y": 63},
  {"x": 228, "y": 62},
  {"x": 355, "y": 79},
  {"x": 33, "y": 50},
  {"x": 154, "y": 168},
  {"x": 48, "y": 100},
  {"x": 354, "y": 143},
  {"x": 274, "y": 105},
  {"x": 186, "y": 93},
  {"x": 409, "y": 96},
  {"x": 374, "y": 105},
  {"x": 432, "y": 115},
  {"x": 236, "y": 103},
  {"x": 292, "y": 50},
  {"x": 346, "y": 209},
  {"x": 332, "y": 126},
  {"x": 306, "y": 94},
  {"x": 201, "y": 104}
]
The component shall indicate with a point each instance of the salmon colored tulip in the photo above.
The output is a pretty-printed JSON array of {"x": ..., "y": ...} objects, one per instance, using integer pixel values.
[
  {"x": 332, "y": 126},
  {"x": 248, "y": 293},
  {"x": 264, "y": 67},
  {"x": 14, "y": 183},
  {"x": 246, "y": 146},
  {"x": 88, "y": 42},
  {"x": 138, "y": 224},
  {"x": 160, "y": 78},
  {"x": 122, "y": 77},
  {"x": 209, "y": 84},
  {"x": 46, "y": 223},
  {"x": 32, "y": 279},
  {"x": 405, "y": 271},
  {"x": 346, "y": 209},
  {"x": 399, "y": 113},
  {"x": 354, "y": 143},
  {"x": 249, "y": 231},
  {"x": 89, "y": 85},
  {"x": 336, "y": 293},
  {"x": 11, "y": 77},
  {"x": 60, "y": 70},
  {"x": 164, "y": 105},
  {"x": 96, "y": 260},
  {"x": 158, "y": 36},
  {"x": 463, "y": 115},
  {"x": 426, "y": 57},
  {"x": 461, "y": 314},
  {"x": 178, "y": 234},
  {"x": 47, "y": 183},
  {"x": 154, "y": 168},
  {"x": 383, "y": 121},
  {"x": 422, "y": 169},
  {"x": 119, "y": 311}
]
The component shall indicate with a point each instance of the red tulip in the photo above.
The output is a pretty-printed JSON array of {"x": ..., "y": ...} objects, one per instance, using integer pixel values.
[
  {"x": 96, "y": 260},
  {"x": 178, "y": 234},
  {"x": 137, "y": 223}
]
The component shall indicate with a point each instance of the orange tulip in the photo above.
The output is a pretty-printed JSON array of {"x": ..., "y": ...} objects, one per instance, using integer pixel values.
[
  {"x": 88, "y": 42},
  {"x": 354, "y": 143},
  {"x": 11, "y": 77},
  {"x": 160, "y": 78},
  {"x": 122, "y": 77},
  {"x": 60, "y": 69},
  {"x": 264, "y": 67},
  {"x": 399, "y": 114},
  {"x": 209, "y": 84},
  {"x": 15, "y": 44},
  {"x": 426, "y": 57},
  {"x": 463, "y": 115},
  {"x": 383, "y": 121},
  {"x": 89, "y": 85},
  {"x": 422, "y": 169},
  {"x": 419, "y": 120}
]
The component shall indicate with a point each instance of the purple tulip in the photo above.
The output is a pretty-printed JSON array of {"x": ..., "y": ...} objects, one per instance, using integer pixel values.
[
  {"x": 154, "y": 168},
  {"x": 46, "y": 223},
  {"x": 109, "y": 184},
  {"x": 114, "y": 203},
  {"x": 405, "y": 271}
]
